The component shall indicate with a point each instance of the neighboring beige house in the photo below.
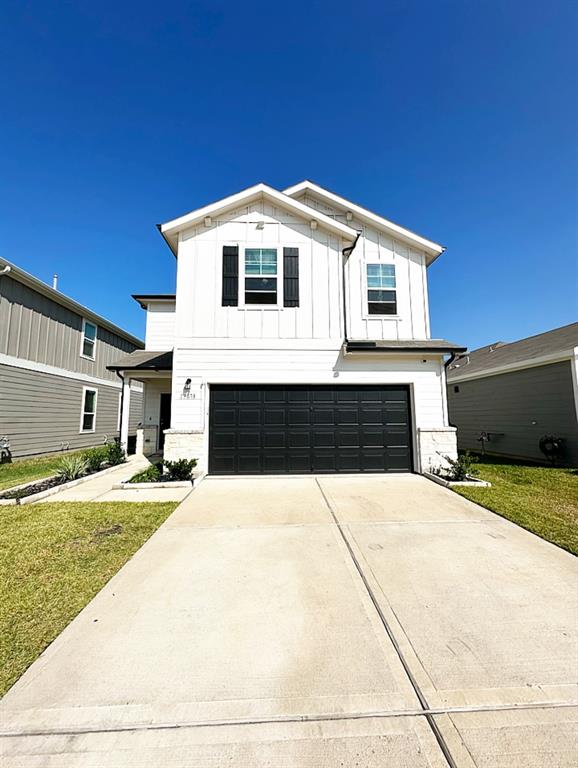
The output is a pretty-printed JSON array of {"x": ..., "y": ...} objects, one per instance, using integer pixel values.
[
  {"x": 298, "y": 340},
  {"x": 508, "y": 395},
  {"x": 56, "y": 392}
]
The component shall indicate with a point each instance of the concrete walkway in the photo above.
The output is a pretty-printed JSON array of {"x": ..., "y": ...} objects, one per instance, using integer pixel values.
[
  {"x": 314, "y": 623},
  {"x": 100, "y": 488}
]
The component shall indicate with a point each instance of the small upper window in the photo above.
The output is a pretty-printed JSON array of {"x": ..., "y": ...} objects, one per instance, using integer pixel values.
[
  {"x": 88, "y": 339},
  {"x": 381, "y": 293},
  {"x": 88, "y": 415},
  {"x": 260, "y": 276}
]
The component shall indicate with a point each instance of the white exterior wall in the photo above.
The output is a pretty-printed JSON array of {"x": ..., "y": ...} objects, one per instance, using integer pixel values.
[
  {"x": 160, "y": 326},
  {"x": 302, "y": 345},
  {"x": 296, "y": 366}
]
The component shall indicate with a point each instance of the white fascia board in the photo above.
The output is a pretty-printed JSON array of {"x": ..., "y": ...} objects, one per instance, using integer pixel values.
[
  {"x": 171, "y": 228},
  {"x": 432, "y": 249},
  {"x": 536, "y": 362}
]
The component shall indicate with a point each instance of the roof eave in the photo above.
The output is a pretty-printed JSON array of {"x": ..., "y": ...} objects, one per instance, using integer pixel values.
[
  {"x": 432, "y": 249},
  {"x": 170, "y": 229}
]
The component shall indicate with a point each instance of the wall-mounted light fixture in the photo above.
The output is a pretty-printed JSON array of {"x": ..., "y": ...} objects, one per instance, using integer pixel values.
[
  {"x": 260, "y": 225},
  {"x": 187, "y": 388}
]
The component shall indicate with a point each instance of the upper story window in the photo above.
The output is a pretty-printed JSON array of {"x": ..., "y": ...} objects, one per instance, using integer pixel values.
[
  {"x": 260, "y": 276},
  {"x": 88, "y": 347},
  {"x": 381, "y": 293}
]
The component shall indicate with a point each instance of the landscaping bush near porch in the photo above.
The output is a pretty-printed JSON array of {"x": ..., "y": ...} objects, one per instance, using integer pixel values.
[
  {"x": 542, "y": 499},
  {"x": 53, "y": 559}
]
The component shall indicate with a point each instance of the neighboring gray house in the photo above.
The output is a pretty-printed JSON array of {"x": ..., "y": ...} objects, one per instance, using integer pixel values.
[
  {"x": 55, "y": 390},
  {"x": 506, "y": 396}
]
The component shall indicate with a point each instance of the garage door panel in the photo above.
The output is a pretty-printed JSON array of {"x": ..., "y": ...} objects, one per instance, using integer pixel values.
[{"x": 257, "y": 429}]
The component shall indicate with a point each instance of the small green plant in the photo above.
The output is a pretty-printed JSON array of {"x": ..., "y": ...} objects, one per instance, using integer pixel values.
[
  {"x": 115, "y": 453},
  {"x": 151, "y": 474},
  {"x": 72, "y": 467},
  {"x": 181, "y": 469},
  {"x": 462, "y": 467},
  {"x": 96, "y": 457}
]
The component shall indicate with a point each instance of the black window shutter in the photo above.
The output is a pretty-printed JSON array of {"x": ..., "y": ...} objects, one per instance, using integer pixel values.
[
  {"x": 290, "y": 277},
  {"x": 230, "y": 276}
]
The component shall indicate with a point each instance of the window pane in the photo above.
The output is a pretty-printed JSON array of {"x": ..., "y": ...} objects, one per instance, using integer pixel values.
[
  {"x": 381, "y": 276},
  {"x": 89, "y": 401},
  {"x": 260, "y": 261},
  {"x": 260, "y": 283},
  {"x": 260, "y": 298},
  {"x": 88, "y": 348},
  {"x": 382, "y": 308},
  {"x": 89, "y": 331},
  {"x": 381, "y": 295},
  {"x": 252, "y": 269},
  {"x": 88, "y": 421}
]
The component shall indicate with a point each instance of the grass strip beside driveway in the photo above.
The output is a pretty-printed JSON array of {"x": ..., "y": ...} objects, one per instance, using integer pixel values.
[
  {"x": 543, "y": 500},
  {"x": 26, "y": 470},
  {"x": 53, "y": 559}
]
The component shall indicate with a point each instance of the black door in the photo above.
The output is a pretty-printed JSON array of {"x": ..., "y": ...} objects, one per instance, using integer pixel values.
[
  {"x": 165, "y": 417},
  {"x": 278, "y": 429}
]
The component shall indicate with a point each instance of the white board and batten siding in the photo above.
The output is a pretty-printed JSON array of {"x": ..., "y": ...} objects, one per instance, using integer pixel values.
[
  {"x": 298, "y": 345},
  {"x": 160, "y": 325}
]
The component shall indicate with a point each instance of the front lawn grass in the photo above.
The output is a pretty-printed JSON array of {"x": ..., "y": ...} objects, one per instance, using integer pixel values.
[
  {"x": 542, "y": 499},
  {"x": 53, "y": 559},
  {"x": 26, "y": 470}
]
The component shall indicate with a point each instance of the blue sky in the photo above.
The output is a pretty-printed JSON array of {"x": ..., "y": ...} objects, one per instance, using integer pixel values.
[{"x": 456, "y": 119}]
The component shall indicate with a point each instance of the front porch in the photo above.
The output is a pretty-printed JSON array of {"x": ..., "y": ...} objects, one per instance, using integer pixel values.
[{"x": 154, "y": 371}]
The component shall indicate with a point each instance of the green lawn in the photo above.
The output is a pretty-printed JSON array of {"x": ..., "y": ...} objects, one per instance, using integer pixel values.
[
  {"x": 26, "y": 470},
  {"x": 53, "y": 559},
  {"x": 542, "y": 499}
]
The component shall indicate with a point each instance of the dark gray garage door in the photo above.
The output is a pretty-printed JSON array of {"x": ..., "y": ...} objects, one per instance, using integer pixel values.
[{"x": 270, "y": 429}]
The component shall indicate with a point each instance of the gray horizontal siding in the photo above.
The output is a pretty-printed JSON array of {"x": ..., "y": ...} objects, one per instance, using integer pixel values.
[
  {"x": 40, "y": 413},
  {"x": 509, "y": 403},
  {"x": 33, "y": 327}
]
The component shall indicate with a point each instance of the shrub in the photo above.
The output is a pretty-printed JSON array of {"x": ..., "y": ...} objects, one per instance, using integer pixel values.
[
  {"x": 151, "y": 474},
  {"x": 462, "y": 467},
  {"x": 115, "y": 453},
  {"x": 181, "y": 469},
  {"x": 95, "y": 458},
  {"x": 72, "y": 467}
]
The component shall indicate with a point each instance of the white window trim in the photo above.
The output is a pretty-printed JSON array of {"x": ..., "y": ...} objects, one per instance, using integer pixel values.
[
  {"x": 366, "y": 288},
  {"x": 82, "y": 338},
  {"x": 263, "y": 246},
  {"x": 83, "y": 412}
]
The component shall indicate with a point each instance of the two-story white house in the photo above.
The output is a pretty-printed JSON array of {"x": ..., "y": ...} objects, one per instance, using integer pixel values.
[{"x": 298, "y": 341}]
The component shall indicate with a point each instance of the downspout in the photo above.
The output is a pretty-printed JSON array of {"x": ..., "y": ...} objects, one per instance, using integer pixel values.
[
  {"x": 346, "y": 252},
  {"x": 121, "y": 377},
  {"x": 453, "y": 356}
]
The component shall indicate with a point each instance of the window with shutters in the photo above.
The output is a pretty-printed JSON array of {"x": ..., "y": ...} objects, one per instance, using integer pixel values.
[
  {"x": 261, "y": 276},
  {"x": 381, "y": 290}
]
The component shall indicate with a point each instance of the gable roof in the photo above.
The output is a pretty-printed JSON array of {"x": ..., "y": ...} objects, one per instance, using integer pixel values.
[
  {"x": 171, "y": 229},
  {"x": 432, "y": 249},
  {"x": 500, "y": 357},
  {"x": 65, "y": 301}
]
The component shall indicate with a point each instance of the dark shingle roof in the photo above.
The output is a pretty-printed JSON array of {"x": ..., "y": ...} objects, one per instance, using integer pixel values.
[
  {"x": 502, "y": 353},
  {"x": 144, "y": 360},
  {"x": 403, "y": 345}
]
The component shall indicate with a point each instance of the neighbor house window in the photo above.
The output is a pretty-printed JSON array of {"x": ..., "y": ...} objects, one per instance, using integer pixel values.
[
  {"x": 381, "y": 294},
  {"x": 88, "y": 416},
  {"x": 88, "y": 339},
  {"x": 260, "y": 276}
]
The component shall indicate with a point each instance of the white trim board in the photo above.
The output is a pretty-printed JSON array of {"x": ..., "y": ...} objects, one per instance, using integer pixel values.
[
  {"x": 171, "y": 229},
  {"x": 557, "y": 357},
  {"x": 432, "y": 248},
  {"x": 32, "y": 365}
]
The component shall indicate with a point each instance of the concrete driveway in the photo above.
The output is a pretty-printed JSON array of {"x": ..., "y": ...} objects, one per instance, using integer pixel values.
[{"x": 313, "y": 623}]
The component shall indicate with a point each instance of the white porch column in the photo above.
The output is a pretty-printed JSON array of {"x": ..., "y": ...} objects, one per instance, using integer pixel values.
[{"x": 125, "y": 413}]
